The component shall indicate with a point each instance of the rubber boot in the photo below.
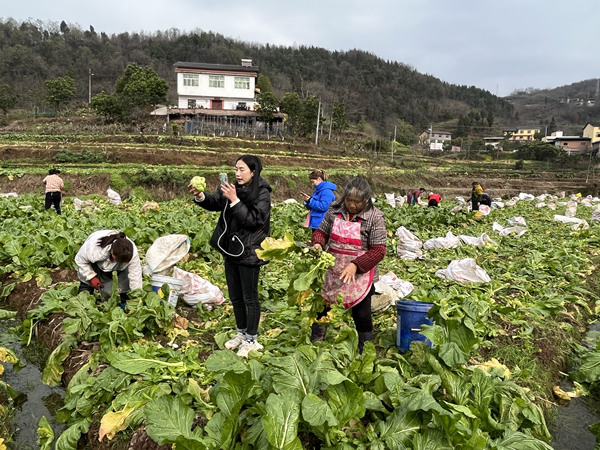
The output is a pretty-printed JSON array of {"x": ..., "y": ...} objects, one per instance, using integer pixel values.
[
  {"x": 318, "y": 332},
  {"x": 124, "y": 298},
  {"x": 363, "y": 337}
]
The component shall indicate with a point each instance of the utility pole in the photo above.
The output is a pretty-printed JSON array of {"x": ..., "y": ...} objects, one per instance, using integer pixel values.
[
  {"x": 330, "y": 123},
  {"x": 318, "y": 117},
  {"x": 90, "y": 85},
  {"x": 393, "y": 141}
]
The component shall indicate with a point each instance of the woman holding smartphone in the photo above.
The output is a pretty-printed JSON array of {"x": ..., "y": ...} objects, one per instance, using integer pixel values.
[{"x": 244, "y": 223}]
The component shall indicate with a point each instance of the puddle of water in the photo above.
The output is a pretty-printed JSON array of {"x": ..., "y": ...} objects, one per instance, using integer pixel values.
[
  {"x": 36, "y": 399},
  {"x": 570, "y": 432}
]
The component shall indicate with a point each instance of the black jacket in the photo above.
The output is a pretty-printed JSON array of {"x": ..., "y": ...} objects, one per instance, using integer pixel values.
[{"x": 241, "y": 228}]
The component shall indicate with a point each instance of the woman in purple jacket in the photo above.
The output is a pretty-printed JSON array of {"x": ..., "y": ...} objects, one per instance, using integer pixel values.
[{"x": 322, "y": 196}]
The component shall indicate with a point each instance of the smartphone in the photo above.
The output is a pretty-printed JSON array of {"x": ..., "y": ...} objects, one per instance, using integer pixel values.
[{"x": 223, "y": 178}]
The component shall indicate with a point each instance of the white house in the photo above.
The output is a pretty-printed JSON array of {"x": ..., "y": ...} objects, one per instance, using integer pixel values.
[{"x": 216, "y": 86}]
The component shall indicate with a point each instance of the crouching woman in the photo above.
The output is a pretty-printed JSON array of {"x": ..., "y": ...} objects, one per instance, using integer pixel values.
[{"x": 103, "y": 252}]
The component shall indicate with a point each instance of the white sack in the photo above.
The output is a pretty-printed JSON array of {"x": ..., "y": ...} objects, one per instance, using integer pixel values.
[
  {"x": 596, "y": 214},
  {"x": 465, "y": 271},
  {"x": 484, "y": 210},
  {"x": 449, "y": 241},
  {"x": 400, "y": 201},
  {"x": 497, "y": 205},
  {"x": 390, "y": 199},
  {"x": 165, "y": 252},
  {"x": 113, "y": 197},
  {"x": 402, "y": 287},
  {"x": 77, "y": 204},
  {"x": 290, "y": 200},
  {"x": 511, "y": 202},
  {"x": 523, "y": 196},
  {"x": 574, "y": 220},
  {"x": 409, "y": 246},
  {"x": 477, "y": 241},
  {"x": 540, "y": 205},
  {"x": 571, "y": 209},
  {"x": 519, "y": 230},
  {"x": 460, "y": 200},
  {"x": 517, "y": 220},
  {"x": 196, "y": 289},
  {"x": 9, "y": 194}
]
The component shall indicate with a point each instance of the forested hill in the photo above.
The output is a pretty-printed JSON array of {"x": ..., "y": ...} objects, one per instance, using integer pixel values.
[{"x": 380, "y": 91}]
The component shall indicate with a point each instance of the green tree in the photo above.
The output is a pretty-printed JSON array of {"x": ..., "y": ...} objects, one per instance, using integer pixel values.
[
  {"x": 8, "y": 98},
  {"x": 309, "y": 114},
  {"x": 339, "y": 118},
  {"x": 61, "y": 90},
  {"x": 490, "y": 119},
  {"x": 552, "y": 126},
  {"x": 140, "y": 87},
  {"x": 107, "y": 105},
  {"x": 291, "y": 105},
  {"x": 263, "y": 83},
  {"x": 267, "y": 106}
]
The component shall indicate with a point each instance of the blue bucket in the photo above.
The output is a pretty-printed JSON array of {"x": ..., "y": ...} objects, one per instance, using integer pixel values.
[{"x": 411, "y": 315}]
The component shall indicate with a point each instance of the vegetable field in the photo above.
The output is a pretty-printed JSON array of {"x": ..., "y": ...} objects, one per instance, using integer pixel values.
[{"x": 157, "y": 375}]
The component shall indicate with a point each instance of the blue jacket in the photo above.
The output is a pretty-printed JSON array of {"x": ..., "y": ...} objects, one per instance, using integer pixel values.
[{"x": 319, "y": 203}]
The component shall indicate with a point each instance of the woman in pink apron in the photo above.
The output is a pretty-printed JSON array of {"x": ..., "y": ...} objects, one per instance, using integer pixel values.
[{"x": 354, "y": 232}]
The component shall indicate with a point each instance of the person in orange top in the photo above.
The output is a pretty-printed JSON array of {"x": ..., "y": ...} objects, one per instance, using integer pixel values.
[{"x": 54, "y": 187}]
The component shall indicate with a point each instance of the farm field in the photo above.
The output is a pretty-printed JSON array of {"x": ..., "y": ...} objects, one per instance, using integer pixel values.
[{"x": 156, "y": 375}]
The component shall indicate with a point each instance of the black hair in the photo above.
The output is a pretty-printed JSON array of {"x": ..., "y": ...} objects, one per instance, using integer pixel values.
[
  {"x": 357, "y": 186},
  {"x": 122, "y": 248},
  {"x": 255, "y": 165},
  {"x": 422, "y": 189}
]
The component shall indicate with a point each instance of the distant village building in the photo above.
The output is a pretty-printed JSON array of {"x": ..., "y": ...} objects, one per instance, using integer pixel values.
[
  {"x": 218, "y": 98},
  {"x": 592, "y": 132},
  {"x": 521, "y": 133},
  {"x": 494, "y": 141},
  {"x": 434, "y": 139}
]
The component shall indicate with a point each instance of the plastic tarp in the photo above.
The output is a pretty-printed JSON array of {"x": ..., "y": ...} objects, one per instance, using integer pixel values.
[
  {"x": 465, "y": 271},
  {"x": 195, "y": 289},
  {"x": 165, "y": 252},
  {"x": 409, "y": 246}
]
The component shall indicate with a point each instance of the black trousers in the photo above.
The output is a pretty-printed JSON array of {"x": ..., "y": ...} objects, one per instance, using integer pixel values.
[
  {"x": 53, "y": 198},
  {"x": 242, "y": 283},
  {"x": 361, "y": 313}
]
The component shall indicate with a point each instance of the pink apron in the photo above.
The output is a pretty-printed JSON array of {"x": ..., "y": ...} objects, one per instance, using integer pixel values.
[{"x": 345, "y": 244}]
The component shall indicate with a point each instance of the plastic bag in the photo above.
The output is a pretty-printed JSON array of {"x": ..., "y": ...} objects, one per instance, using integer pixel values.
[
  {"x": 484, "y": 210},
  {"x": 517, "y": 220},
  {"x": 571, "y": 209},
  {"x": 574, "y": 220},
  {"x": 196, "y": 289},
  {"x": 150, "y": 205},
  {"x": 77, "y": 204},
  {"x": 596, "y": 214},
  {"x": 409, "y": 246},
  {"x": 390, "y": 199},
  {"x": 402, "y": 287},
  {"x": 384, "y": 297},
  {"x": 523, "y": 196},
  {"x": 165, "y": 252},
  {"x": 497, "y": 205},
  {"x": 460, "y": 200},
  {"x": 477, "y": 241},
  {"x": 449, "y": 241},
  {"x": 464, "y": 270},
  {"x": 113, "y": 197},
  {"x": 519, "y": 230}
]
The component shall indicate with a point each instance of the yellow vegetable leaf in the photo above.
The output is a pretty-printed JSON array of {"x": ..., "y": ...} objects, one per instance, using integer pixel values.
[
  {"x": 561, "y": 394},
  {"x": 114, "y": 422}
]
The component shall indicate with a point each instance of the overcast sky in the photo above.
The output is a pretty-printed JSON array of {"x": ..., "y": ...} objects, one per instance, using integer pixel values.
[{"x": 495, "y": 45}]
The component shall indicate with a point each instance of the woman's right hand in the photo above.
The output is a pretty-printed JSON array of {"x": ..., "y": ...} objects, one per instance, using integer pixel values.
[
  {"x": 198, "y": 194},
  {"x": 305, "y": 196},
  {"x": 318, "y": 247}
]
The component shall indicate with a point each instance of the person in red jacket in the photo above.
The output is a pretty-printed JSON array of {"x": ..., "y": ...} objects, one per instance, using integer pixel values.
[
  {"x": 412, "y": 198},
  {"x": 434, "y": 199}
]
